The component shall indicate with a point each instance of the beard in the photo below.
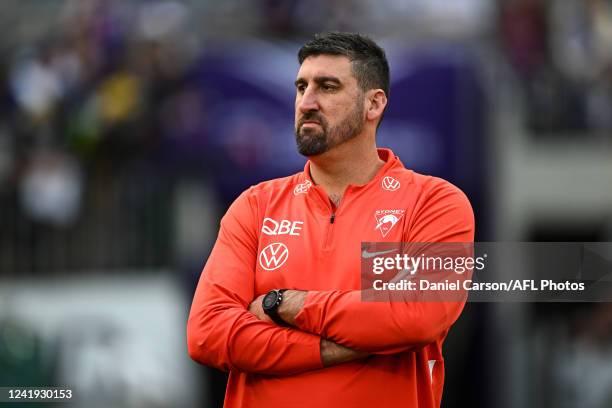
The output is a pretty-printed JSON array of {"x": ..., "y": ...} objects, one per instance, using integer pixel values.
[{"x": 312, "y": 142}]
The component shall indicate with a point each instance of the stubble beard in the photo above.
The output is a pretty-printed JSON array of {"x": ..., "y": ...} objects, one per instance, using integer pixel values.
[{"x": 312, "y": 142}]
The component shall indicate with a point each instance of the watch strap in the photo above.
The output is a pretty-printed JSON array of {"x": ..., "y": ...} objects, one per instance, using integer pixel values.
[{"x": 273, "y": 311}]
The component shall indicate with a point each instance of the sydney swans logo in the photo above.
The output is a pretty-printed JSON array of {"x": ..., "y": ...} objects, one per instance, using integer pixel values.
[
  {"x": 273, "y": 256},
  {"x": 386, "y": 220}
]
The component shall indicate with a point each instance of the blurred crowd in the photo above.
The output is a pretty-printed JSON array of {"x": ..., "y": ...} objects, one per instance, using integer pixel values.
[
  {"x": 88, "y": 109},
  {"x": 99, "y": 113},
  {"x": 562, "y": 52}
]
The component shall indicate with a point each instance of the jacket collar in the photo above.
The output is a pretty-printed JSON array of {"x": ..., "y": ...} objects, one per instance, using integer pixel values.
[{"x": 391, "y": 161}]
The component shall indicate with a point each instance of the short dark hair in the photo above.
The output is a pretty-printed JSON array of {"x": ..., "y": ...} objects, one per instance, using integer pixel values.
[{"x": 368, "y": 60}]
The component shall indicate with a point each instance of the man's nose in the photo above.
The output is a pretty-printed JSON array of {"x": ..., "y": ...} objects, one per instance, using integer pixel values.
[{"x": 308, "y": 102}]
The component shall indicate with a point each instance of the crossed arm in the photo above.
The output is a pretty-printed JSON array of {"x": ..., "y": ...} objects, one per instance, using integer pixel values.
[
  {"x": 293, "y": 302},
  {"x": 228, "y": 330},
  {"x": 223, "y": 333}
]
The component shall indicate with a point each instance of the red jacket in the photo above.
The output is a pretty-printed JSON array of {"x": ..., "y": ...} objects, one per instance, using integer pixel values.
[{"x": 285, "y": 233}]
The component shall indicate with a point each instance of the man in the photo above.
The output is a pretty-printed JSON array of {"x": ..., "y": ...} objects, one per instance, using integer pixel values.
[{"x": 278, "y": 304}]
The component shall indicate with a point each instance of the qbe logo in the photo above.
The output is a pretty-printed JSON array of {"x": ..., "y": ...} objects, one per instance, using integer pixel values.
[
  {"x": 282, "y": 227},
  {"x": 390, "y": 184},
  {"x": 273, "y": 256}
]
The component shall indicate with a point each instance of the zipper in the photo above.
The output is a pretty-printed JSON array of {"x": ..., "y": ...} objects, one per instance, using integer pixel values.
[
  {"x": 332, "y": 219},
  {"x": 328, "y": 233}
]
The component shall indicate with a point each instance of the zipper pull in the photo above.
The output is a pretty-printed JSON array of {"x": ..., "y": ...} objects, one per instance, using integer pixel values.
[{"x": 332, "y": 218}]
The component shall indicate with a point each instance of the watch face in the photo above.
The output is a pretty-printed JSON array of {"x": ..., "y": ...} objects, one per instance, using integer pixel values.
[{"x": 269, "y": 300}]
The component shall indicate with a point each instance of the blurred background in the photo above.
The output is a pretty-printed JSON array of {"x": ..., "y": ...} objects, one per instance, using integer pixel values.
[{"x": 127, "y": 128}]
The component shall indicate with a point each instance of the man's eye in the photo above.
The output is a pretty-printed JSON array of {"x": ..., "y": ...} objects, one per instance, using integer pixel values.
[{"x": 327, "y": 87}]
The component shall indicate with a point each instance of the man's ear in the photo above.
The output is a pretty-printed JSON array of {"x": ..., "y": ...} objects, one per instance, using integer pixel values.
[{"x": 377, "y": 101}]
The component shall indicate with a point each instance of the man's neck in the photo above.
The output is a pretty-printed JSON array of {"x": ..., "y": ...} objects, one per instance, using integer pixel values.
[{"x": 349, "y": 163}]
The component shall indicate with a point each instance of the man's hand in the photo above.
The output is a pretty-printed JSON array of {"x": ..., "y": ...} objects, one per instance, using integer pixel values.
[
  {"x": 292, "y": 304},
  {"x": 333, "y": 353},
  {"x": 257, "y": 309}
]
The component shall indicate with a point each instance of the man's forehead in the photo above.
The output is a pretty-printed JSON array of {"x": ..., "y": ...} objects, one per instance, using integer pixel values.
[{"x": 324, "y": 65}]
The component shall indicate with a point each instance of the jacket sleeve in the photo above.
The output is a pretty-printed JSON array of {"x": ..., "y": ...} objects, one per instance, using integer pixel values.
[
  {"x": 386, "y": 327},
  {"x": 221, "y": 332}
]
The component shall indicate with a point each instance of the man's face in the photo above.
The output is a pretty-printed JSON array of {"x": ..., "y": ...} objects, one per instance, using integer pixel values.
[{"x": 329, "y": 105}]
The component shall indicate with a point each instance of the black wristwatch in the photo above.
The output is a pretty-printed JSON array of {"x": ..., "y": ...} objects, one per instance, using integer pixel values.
[{"x": 271, "y": 302}]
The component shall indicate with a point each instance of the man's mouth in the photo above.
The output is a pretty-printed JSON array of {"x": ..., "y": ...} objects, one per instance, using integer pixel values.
[{"x": 310, "y": 121}]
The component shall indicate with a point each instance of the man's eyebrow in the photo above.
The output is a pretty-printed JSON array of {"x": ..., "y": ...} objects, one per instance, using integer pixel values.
[
  {"x": 319, "y": 80},
  {"x": 322, "y": 79}
]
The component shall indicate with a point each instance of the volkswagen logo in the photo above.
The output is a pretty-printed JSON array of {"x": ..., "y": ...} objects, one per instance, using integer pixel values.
[
  {"x": 273, "y": 256},
  {"x": 390, "y": 184}
]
